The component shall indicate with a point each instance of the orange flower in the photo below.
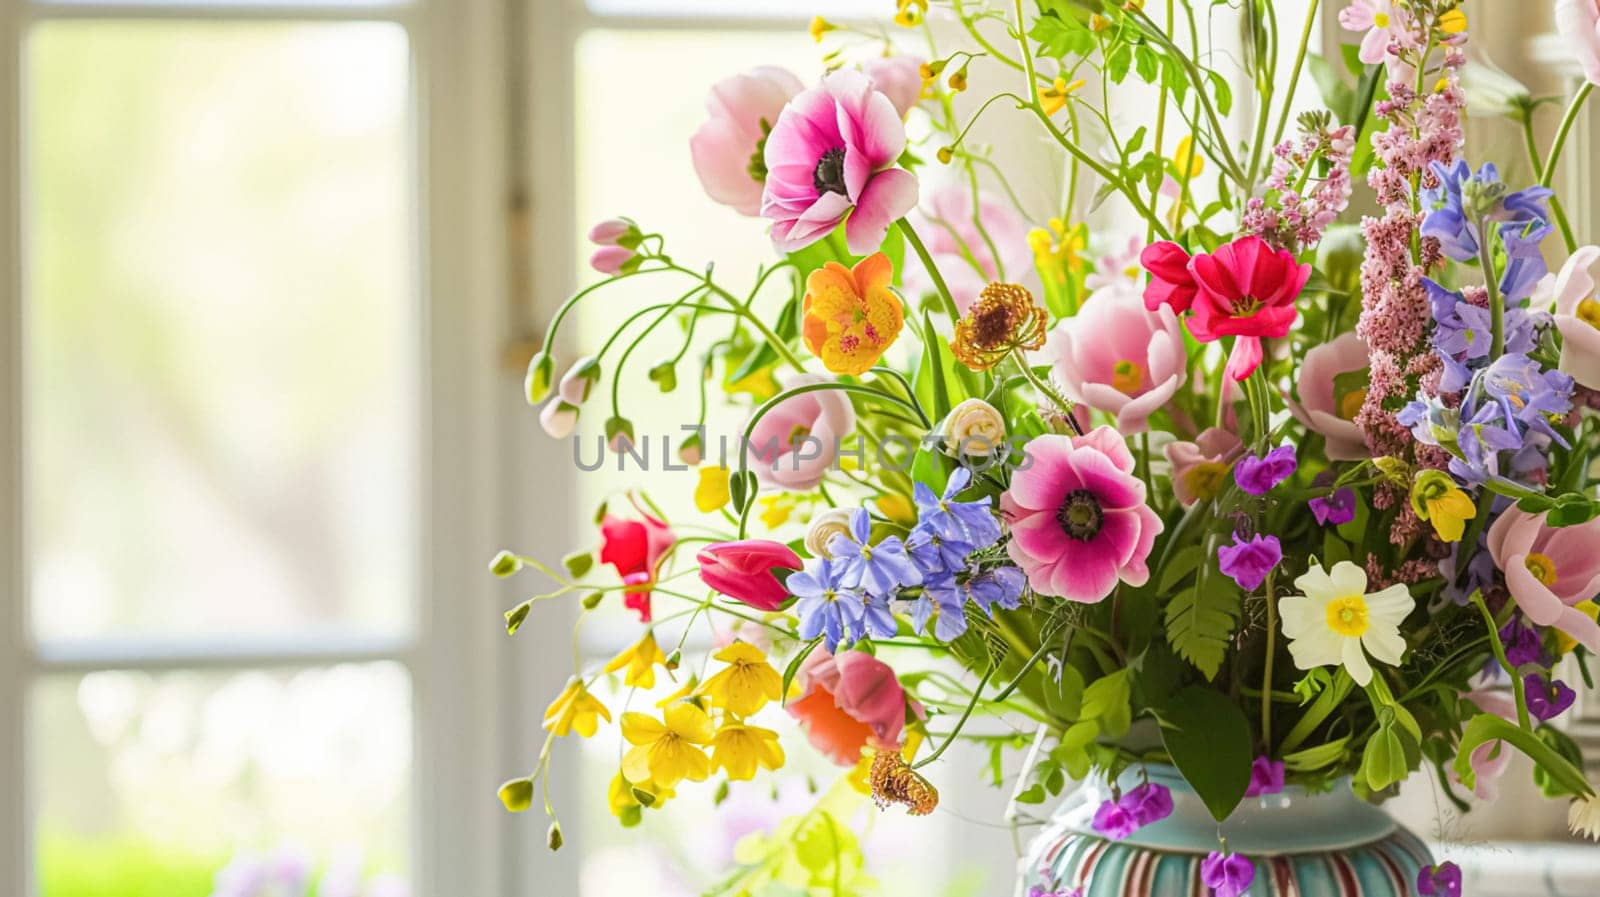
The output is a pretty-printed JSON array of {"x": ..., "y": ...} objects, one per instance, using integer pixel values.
[{"x": 851, "y": 315}]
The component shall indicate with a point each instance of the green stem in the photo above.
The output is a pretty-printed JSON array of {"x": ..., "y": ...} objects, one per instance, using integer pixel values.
[
  {"x": 1567, "y": 121},
  {"x": 943, "y": 288},
  {"x": 1557, "y": 211},
  {"x": 977, "y": 693},
  {"x": 739, "y": 308},
  {"x": 1294, "y": 73},
  {"x": 1048, "y": 392},
  {"x": 1505, "y": 664},
  {"x": 1497, "y": 303},
  {"x": 1272, "y": 656}
]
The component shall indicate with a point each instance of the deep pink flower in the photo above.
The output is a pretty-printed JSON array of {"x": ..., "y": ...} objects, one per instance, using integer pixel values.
[
  {"x": 1322, "y": 409},
  {"x": 1246, "y": 290},
  {"x": 725, "y": 149},
  {"x": 833, "y": 153},
  {"x": 849, "y": 702},
  {"x": 944, "y": 221},
  {"x": 1443, "y": 880},
  {"x": 1248, "y": 561},
  {"x": 744, "y": 570},
  {"x": 635, "y": 548},
  {"x": 897, "y": 77},
  {"x": 1579, "y": 22},
  {"x": 1171, "y": 284},
  {"x": 1548, "y": 570},
  {"x": 1266, "y": 777},
  {"x": 1200, "y": 468},
  {"x": 1258, "y": 476},
  {"x": 1336, "y": 509},
  {"x": 795, "y": 445},
  {"x": 1113, "y": 822},
  {"x": 1116, "y": 357},
  {"x": 1079, "y": 522},
  {"x": 1227, "y": 875},
  {"x": 1148, "y": 803}
]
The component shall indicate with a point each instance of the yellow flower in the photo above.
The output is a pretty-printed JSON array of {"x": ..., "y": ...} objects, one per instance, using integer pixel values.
[
  {"x": 740, "y": 749},
  {"x": 897, "y": 508},
  {"x": 623, "y": 795},
  {"x": 1003, "y": 320},
  {"x": 688, "y": 688},
  {"x": 909, "y": 13},
  {"x": 641, "y": 661},
  {"x": 776, "y": 509},
  {"x": 711, "y": 492},
  {"x": 1189, "y": 164},
  {"x": 1565, "y": 643},
  {"x": 1054, "y": 97},
  {"x": 851, "y": 314},
  {"x": 1058, "y": 252},
  {"x": 746, "y": 684},
  {"x": 1453, "y": 22},
  {"x": 819, "y": 27},
  {"x": 667, "y": 751},
  {"x": 1437, "y": 499},
  {"x": 575, "y": 709}
]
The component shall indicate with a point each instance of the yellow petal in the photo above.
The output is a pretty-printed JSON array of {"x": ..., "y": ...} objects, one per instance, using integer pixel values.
[{"x": 711, "y": 492}]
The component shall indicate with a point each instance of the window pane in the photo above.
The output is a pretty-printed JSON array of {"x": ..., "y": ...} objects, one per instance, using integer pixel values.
[
  {"x": 220, "y": 326},
  {"x": 147, "y": 785},
  {"x": 794, "y": 9}
]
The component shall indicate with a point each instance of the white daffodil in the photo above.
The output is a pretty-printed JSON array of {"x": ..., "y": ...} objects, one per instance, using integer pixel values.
[
  {"x": 1336, "y": 623},
  {"x": 1584, "y": 817}
]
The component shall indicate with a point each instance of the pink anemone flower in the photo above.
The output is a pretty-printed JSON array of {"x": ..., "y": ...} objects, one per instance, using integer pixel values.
[
  {"x": 1246, "y": 290},
  {"x": 897, "y": 77},
  {"x": 795, "y": 445},
  {"x": 1321, "y": 408},
  {"x": 1079, "y": 522},
  {"x": 1116, "y": 357},
  {"x": 1577, "y": 314},
  {"x": 743, "y": 109},
  {"x": 960, "y": 251},
  {"x": 832, "y": 153},
  {"x": 1548, "y": 570}
]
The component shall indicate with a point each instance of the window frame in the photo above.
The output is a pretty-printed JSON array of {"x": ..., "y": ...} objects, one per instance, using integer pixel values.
[{"x": 457, "y": 123}]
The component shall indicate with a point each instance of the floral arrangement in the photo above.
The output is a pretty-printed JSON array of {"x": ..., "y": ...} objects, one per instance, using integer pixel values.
[{"x": 1288, "y": 485}]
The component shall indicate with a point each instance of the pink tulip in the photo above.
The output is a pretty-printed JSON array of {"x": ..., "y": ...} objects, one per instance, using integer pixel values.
[
  {"x": 1116, "y": 357},
  {"x": 1579, "y": 20},
  {"x": 558, "y": 419},
  {"x": 897, "y": 77},
  {"x": 609, "y": 231},
  {"x": 798, "y": 441},
  {"x": 743, "y": 571},
  {"x": 850, "y": 702},
  {"x": 1577, "y": 315},
  {"x": 1324, "y": 412},
  {"x": 1200, "y": 469},
  {"x": 1079, "y": 522},
  {"x": 1548, "y": 570},
  {"x": 959, "y": 250},
  {"x": 833, "y": 153},
  {"x": 1171, "y": 284},
  {"x": 726, "y": 144},
  {"x": 1246, "y": 290},
  {"x": 610, "y": 260}
]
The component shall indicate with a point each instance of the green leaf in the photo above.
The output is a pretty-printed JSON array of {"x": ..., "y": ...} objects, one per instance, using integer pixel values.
[
  {"x": 1219, "y": 86},
  {"x": 1200, "y": 621},
  {"x": 1385, "y": 760},
  {"x": 1063, "y": 697},
  {"x": 1058, "y": 37},
  {"x": 790, "y": 671},
  {"x": 1181, "y": 564},
  {"x": 1319, "y": 757},
  {"x": 1109, "y": 700},
  {"x": 1208, "y": 738},
  {"x": 1486, "y": 727},
  {"x": 1147, "y": 64},
  {"x": 1118, "y": 63},
  {"x": 1564, "y": 746}
]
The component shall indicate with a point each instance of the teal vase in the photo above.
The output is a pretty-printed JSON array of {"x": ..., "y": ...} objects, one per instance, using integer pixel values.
[{"x": 1303, "y": 845}]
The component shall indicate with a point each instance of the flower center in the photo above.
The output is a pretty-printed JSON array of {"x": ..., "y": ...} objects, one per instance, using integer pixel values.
[
  {"x": 1589, "y": 313},
  {"x": 1080, "y": 515},
  {"x": 1127, "y": 377},
  {"x": 1205, "y": 479},
  {"x": 829, "y": 176},
  {"x": 1542, "y": 568},
  {"x": 1350, "y": 405},
  {"x": 1381, "y": 19},
  {"x": 800, "y": 433},
  {"x": 1246, "y": 306},
  {"x": 1347, "y": 616}
]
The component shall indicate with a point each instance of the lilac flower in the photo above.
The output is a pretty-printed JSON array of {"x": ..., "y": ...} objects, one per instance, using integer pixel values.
[
  {"x": 1480, "y": 441},
  {"x": 1113, "y": 822},
  {"x": 943, "y": 603},
  {"x": 1147, "y": 803},
  {"x": 1443, "y": 880},
  {"x": 1464, "y": 330},
  {"x": 1249, "y": 562},
  {"x": 1465, "y": 198},
  {"x": 1430, "y": 421},
  {"x": 972, "y": 522},
  {"x": 826, "y": 607},
  {"x": 877, "y": 618},
  {"x": 1257, "y": 476},
  {"x": 934, "y": 555},
  {"x": 1523, "y": 644},
  {"x": 1547, "y": 698},
  {"x": 1227, "y": 875},
  {"x": 1266, "y": 777},
  {"x": 1528, "y": 392},
  {"x": 1001, "y": 585},
  {"x": 874, "y": 569},
  {"x": 1336, "y": 509},
  {"x": 1525, "y": 264}
]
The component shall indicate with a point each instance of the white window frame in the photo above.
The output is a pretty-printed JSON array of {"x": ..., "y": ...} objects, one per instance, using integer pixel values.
[{"x": 456, "y": 658}]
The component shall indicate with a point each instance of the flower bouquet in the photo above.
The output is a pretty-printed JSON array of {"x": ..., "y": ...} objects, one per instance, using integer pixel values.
[{"x": 1287, "y": 482}]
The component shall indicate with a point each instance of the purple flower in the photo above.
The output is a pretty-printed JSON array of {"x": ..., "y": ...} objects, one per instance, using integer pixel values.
[
  {"x": 943, "y": 602},
  {"x": 1335, "y": 509},
  {"x": 877, "y": 570},
  {"x": 1148, "y": 803},
  {"x": 1525, "y": 264},
  {"x": 1227, "y": 875},
  {"x": 935, "y": 555},
  {"x": 1266, "y": 777},
  {"x": 1523, "y": 644},
  {"x": 1041, "y": 891},
  {"x": 826, "y": 607},
  {"x": 1443, "y": 880},
  {"x": 1464, "y": 199},
  {"x": 1113, "y": 822},
  {"x": 1547, "y": 698},
  {"x": 972, "y": 522},
  {"x": 1002, "y": 585},
  {"x": 1249, "y": 562},
  {"x": 1257, "y": 476}
]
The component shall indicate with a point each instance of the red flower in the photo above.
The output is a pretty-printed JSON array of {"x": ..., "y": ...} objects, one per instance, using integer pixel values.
[
  {"x": 743, "y": 571},
  {"x": 1247, "y": 290},
  {"x": 635, "y": 548},
  {"x": 1170, "y": 280}
]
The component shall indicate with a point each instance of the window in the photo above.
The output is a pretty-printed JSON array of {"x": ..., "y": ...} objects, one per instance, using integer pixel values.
[{"x": 226, "y": 448}]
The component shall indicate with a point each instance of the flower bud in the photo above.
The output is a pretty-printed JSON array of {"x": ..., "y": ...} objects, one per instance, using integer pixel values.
[
  {"x": 505, "y": 564},
  {"x": 614, "y": 260},
  {"x": 558, "y": 419},
  {"x": 579, "y": 380},
  {"x": 973, "y": 429},
  {"x": 517, "y": 794},
  {"x": 946, "y": 154},
  {"x": 541, "y": 370},
  {"x": 610, "y": 231},
  {"x": 690, "y": 451},
  {"x": 619, "y": 434},
  {"x": 819, "y": 27},
  {"x": 665, "y": 375},
  {"x": 553, "y": 837},
  {"x": 824, "y": 526}
]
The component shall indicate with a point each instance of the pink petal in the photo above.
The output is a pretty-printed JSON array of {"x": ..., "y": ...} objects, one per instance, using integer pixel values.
[
  {"x": 887, "y": 197},
  {"x": 1245, "y": 357},
  {"x": 1115, "y": 489},
  {"x": 1084, "y": 573},
  {"x": 1048, "y": 478}
]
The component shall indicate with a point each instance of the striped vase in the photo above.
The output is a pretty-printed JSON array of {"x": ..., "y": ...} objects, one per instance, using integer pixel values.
[{"x": 1321, "y": 845}]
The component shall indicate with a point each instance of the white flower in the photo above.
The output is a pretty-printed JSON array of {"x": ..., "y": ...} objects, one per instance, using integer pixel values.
[
  {"x": 973, "y": 427},
  {"x": 1335, "y": 623},
  {"x": 824, "y": 526},
  {"x": 1584, "y": 817}
]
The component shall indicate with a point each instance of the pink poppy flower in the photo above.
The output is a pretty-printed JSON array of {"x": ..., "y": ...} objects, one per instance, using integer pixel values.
[
  {"x": 1321, "y": 408},
  {"x": 1116, "y": 357},
  {"x": 798, "y": 441},
  {"x": 1246, "y": 290},
  {"x": 1577, "y": 314},
  {"x": 832, "y": 153},
  {"x": 959, "y": 250},
  {"x": 743, "y": 109},
  {"x": 849, "y": 702},
  {"x": 1548, "y": 570},
  {"x": 1579, "y": 21},
  {"x": 1383, "y": 22},
  {"x": 1079, "y": 522},
  {"x": 897, "y": 77},
  {"x": 1200, "y": 469},
  {"x": 635, "y": 548}
]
